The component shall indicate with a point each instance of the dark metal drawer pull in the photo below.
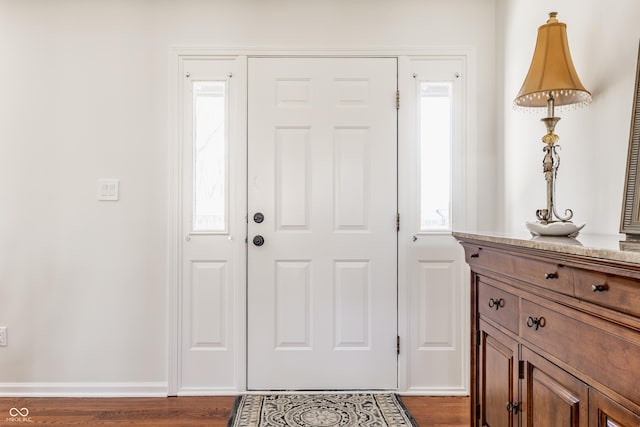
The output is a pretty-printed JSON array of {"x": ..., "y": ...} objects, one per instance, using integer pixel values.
[
  {"x": 549, "y": 276},
  {"x": 513, "y": 407},
  {"x": 599, "y": 288},
  {"x": 475, "y": 255},
  {"x": 537, "y": 322},
  {"x": 497, "y": 303}
]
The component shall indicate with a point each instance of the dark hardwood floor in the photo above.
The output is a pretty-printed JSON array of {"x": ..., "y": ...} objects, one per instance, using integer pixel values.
[
  {"x": 185, "y": 411},
  {"x": 439, "y": 411}
]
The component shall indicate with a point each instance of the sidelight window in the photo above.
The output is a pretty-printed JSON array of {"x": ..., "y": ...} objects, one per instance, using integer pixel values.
[
  {"x": 209, "y": 156},
  {"x": 435, "y": 121}
]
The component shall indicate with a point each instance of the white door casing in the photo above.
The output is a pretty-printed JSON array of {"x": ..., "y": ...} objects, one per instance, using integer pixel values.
[{"x": 322, "y": 289}]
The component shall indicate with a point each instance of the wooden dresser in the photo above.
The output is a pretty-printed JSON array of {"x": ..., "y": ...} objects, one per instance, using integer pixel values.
[{"x": 555, "y": 331}]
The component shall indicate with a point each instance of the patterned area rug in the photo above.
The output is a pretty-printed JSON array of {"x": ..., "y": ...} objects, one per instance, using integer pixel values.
[{"x": 320, "y": 410}]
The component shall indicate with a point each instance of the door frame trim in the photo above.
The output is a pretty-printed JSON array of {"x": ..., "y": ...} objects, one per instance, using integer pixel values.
[{"x": 174, "y": 191}]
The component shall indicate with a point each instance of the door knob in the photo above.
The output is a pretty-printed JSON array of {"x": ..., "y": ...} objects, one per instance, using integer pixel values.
[
  {"x": 258, "y": 240},
  {"x": 258, "y": 217}
]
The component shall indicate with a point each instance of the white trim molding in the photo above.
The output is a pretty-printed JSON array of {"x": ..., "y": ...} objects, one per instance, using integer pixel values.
[
  {"x": 207, "y": 391},
  {"x": 436, "y": 391},
  {"x": 143, "y": 389}
]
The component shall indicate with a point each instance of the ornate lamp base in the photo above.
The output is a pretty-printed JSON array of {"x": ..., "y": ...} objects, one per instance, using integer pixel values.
[
  {"x": 547, "y": 226},
  {"x": 557, "y": 228}
]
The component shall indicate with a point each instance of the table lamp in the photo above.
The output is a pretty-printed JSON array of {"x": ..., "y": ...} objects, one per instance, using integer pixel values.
[{"x": 552, "y": 82}]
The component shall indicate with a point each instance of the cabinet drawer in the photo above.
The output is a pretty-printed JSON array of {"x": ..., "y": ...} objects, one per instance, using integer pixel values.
[
  {"x": 620, "y": 293},
  {"x": 478, "y": 256},
  {"x": 602, "y": 355},
  {"x": 545, "y": 274},
  {"x": 498, "y": 305}
]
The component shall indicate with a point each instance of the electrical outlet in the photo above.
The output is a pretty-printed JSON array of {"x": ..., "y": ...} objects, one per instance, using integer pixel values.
[{"x": 3, "y": 336}]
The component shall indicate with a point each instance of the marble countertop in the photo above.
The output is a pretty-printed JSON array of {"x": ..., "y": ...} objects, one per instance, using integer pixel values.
[{"x": 610, "y": 247}]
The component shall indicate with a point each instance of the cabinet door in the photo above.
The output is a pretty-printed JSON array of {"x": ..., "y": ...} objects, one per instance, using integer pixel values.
[
  {"x": 604, "y": 412},
  {"x": 497, "y": 378},
  {"x": 551, "y": 396}
]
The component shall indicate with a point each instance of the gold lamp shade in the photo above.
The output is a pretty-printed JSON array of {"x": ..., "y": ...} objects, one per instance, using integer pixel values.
[{"x": 552, "y": 71}]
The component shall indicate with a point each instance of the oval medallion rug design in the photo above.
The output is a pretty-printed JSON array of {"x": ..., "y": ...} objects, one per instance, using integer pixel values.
[{"x": 320, "y": 410}]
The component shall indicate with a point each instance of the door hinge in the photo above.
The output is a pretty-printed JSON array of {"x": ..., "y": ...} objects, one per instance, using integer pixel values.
[
  {"x": 398, "y": 222},
  {"x": 397, "y": 99},
  {"x": 521, "y": 369},
  {"x": 398, "y": 345}
]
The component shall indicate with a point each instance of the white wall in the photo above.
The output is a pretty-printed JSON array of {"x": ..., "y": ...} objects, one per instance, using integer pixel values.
[
  {"x": 83, "y": 95},
  {"x": 604, "y": 46},
  {"x": 82, "y": 283}
]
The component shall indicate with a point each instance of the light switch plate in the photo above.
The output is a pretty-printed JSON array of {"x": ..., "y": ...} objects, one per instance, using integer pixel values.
[{"x": 108, "y": 189}]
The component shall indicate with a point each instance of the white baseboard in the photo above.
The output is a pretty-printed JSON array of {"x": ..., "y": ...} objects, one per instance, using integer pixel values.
[
  {"x": 150, "y": 389},
  {"x": 208, "y": 391},
  {"x": 160, "y": 389},
  {"x": 435, "y": 391}
]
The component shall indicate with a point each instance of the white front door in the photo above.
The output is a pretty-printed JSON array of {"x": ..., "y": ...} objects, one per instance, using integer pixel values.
[{"x": 322, "y": 239}]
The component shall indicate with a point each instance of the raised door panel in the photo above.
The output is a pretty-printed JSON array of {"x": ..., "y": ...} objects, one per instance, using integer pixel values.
[
  {"x": 498, "y": 378},
  {"x": 604, "y": 412},
  {"x": 551, "y": 396}
]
